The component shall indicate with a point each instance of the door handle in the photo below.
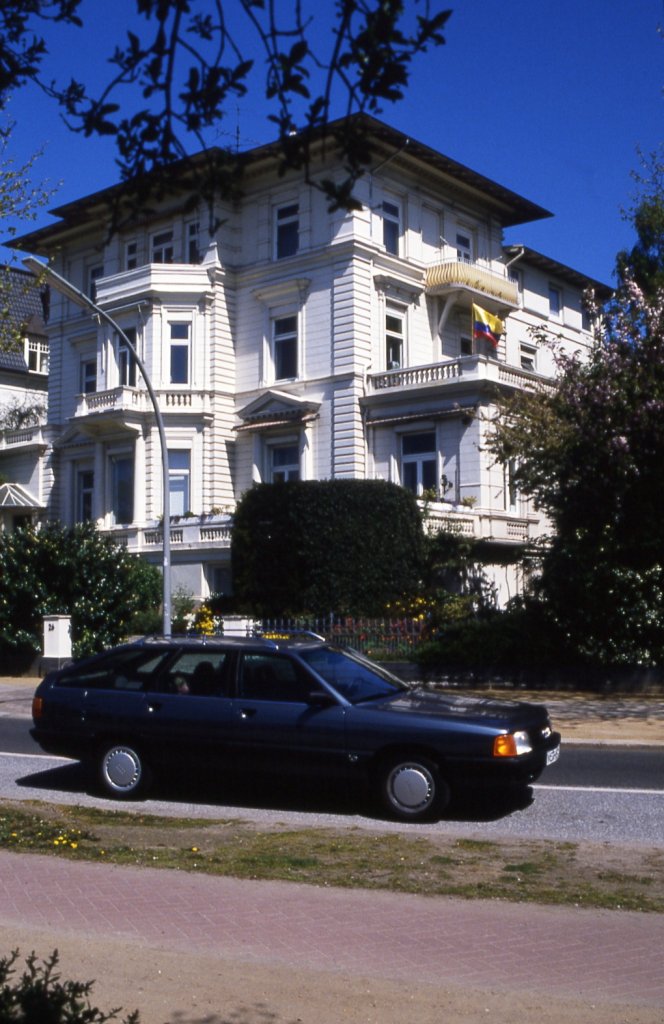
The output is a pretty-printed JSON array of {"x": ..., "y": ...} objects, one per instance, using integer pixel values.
[
  {"x": 155, "y": 705},
  {"x": 247, "y": 712}
]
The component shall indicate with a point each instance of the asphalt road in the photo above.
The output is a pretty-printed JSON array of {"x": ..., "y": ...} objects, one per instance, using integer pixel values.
[{"x": 598, "y": 794}]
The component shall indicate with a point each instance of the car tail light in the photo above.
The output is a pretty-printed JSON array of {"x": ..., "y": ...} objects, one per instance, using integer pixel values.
[{"x": 37, "y": 707}]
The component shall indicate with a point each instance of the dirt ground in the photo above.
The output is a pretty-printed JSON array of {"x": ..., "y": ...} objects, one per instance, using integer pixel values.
[{"x": 168, "y": 987}]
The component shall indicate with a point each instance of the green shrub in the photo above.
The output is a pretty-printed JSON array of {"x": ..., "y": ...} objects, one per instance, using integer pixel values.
[{"x": 39, "y": 996}]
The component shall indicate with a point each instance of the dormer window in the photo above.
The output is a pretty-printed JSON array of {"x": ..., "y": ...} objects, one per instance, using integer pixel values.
[{"x": 36, "y": 355}]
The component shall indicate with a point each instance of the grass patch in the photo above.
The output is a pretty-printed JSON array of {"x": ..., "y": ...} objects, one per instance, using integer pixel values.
[{"x": 589, "y": 875}]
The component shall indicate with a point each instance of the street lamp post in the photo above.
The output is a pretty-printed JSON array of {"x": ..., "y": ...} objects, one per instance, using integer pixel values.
[{"x": 66, "y": 288}]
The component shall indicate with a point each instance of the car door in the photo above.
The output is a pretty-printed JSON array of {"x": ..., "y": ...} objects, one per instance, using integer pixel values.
[
  {"x": 188, "y": 713},
  {"x": 282, "y": 719}
]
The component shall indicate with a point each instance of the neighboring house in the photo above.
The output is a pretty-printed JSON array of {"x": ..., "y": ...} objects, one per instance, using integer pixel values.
[
  {"x": 23, "y": 395},
  {"x": 297, "y": 343}
]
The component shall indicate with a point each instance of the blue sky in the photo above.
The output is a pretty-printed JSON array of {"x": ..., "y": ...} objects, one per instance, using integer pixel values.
[{"x": 550, "y": 99}]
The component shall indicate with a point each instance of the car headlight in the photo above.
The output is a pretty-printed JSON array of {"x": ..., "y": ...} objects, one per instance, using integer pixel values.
[{"x": 512, "y": 744}]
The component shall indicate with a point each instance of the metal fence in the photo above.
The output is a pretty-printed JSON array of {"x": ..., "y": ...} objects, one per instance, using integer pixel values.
[{"x": 392, "y": 639}]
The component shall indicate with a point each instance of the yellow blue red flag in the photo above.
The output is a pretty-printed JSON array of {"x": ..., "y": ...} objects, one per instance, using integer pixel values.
[{"x": 487, "y": 326}]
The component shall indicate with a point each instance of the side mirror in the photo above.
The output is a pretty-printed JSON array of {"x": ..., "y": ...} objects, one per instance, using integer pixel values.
[{"x": 320, "y": 698}]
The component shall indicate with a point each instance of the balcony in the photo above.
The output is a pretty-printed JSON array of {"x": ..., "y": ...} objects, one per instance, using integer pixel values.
[
  {"x": 491, "y": 525},
  {"x": 122, "y": 402},
  {"x": 26, "y": 437},
  {"x": 188, "y": 533},
  {"x": 452, "y": 373},
  {"x": 480, "y": 282},
  {"x": 152, "y": 280}
]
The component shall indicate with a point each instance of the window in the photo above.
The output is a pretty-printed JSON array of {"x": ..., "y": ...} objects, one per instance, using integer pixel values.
[
  {"x": 555, "y": 302},
  {"x": 465, "y": 345},
  {"x": 527, "y": 355},
  {"x": 88, "y": 381},
  {"x": 193, "y": 242},
  {"x": 179, "y": 354},
  {"x": 85, "y": 483},
  {"x": 285, "y": 463},
  {"x": 131, "y": 255},
  {"x": 179, "y": 472},
  {"x": 36, "y": 355},
  {"x": 419, "y": 462},
  {"x": 284, "y": 341},
  {"x": 511, "y": 490},
  {"x": 162, "y": 247},
  {"x": 122, "y": 488},
  {"x": 287, "y": 231},
  {"x": 271, "y": 677},
  {"x": 126, "y": 361},
  {"x": 464, "y": 247},
  {"x": 391, "y": 227},
  {"x": 394, "y": 338},
  {"x": 94, "y": 273}
]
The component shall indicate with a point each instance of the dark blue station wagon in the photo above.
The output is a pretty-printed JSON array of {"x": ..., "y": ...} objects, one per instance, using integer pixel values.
[{"x": 303, "y": 706}]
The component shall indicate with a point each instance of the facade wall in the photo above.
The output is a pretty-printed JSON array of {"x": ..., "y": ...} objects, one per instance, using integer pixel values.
[{"x": 292, "y": 341}]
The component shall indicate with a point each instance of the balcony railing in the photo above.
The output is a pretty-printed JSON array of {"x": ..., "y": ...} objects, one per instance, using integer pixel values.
[
  {"x": 192, "y": 532},
  {"x": 23, "y": 437},
  {"x": 452, "y": 274},
  {"x": 449, "y": 372},
  {"x": 136, "y": 400},
  {"x": 482, "y": 524},
  {"x": 152, "y": 279}
]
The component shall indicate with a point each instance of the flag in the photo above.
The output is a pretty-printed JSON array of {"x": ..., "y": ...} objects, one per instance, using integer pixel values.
[{"x": 487, "y": 326}]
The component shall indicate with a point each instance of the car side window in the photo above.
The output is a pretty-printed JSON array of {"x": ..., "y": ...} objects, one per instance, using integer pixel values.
[
  {"x": 197, "y": 674},
  {"x": 271, "y": 677},
  {"x": 126, "y": 670}
]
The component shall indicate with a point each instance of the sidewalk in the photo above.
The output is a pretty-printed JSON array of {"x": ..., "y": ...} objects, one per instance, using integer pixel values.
[{"x": 194, "y": 948}]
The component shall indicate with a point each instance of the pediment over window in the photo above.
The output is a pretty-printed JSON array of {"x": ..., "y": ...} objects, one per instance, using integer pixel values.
[{"x": 276, "y": 409}]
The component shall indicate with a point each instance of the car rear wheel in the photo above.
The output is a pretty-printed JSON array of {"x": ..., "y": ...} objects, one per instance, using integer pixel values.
[
  {"x": 411, "y": 788},
  {"x": 123, "y": 771}
]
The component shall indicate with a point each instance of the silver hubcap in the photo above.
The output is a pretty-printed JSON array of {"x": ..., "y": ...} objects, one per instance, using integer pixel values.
[
  {"x": 122, "y": 769},
  {"x": 411, "y": 787}
]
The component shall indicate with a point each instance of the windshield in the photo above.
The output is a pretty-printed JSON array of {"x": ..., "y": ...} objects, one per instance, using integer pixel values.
[{"x": 352, "y": 675}]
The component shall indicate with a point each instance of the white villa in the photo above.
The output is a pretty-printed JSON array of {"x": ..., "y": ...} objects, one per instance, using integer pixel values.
[{"x": 294, "y": 343}]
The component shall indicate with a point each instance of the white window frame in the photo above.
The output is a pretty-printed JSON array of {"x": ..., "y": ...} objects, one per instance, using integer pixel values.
[
  {"x": 419, "y": 460},
  {"x": 194, "y": 254},
  {"x": 36, "y": 356},
  {"x": 162, "y": 249},
  {"x": 279, "y": 337},
  {"x": 88, "y": 376},
  {"x": 391, "y": 215},
  {"x": 131, "y": 254},
  {"x": 286, "y": 217},
  {"x": 179, "y": 480},
  {"x": 177, "y": 344},
  {"x": 84, "y": 487},
  {"x": 400, "y": 313},
  {"x": 127, "y": 367},
  {"x": 555, "y": 302},
  {"x": 94, "y": 273},
  {"x": 528, "y": 357},
  {"x": 114, "y": 459},
  {"x": 465, "y": 245},
  {"x": 288, "y": 470}
]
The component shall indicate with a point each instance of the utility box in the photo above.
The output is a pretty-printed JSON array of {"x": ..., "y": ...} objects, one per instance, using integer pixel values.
[{"x": 57, "y": 642}]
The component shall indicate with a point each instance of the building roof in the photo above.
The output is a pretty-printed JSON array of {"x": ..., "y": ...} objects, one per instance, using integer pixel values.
[
  {"x": 560, "y": 270},
  {"x": 23, "y": 310},
  {"x": 386, "y": 144}
]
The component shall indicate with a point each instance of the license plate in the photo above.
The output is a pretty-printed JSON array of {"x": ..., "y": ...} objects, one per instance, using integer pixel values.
[{"x": 552, "y": 755}]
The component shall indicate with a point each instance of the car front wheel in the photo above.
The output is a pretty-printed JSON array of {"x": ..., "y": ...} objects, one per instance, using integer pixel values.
[
  {"x": 411, "y": 789},
  {"x": 123, "y": 771}
]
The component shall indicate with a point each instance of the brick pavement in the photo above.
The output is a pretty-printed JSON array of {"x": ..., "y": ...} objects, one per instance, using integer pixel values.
[{"x": 565, "y": 953}]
